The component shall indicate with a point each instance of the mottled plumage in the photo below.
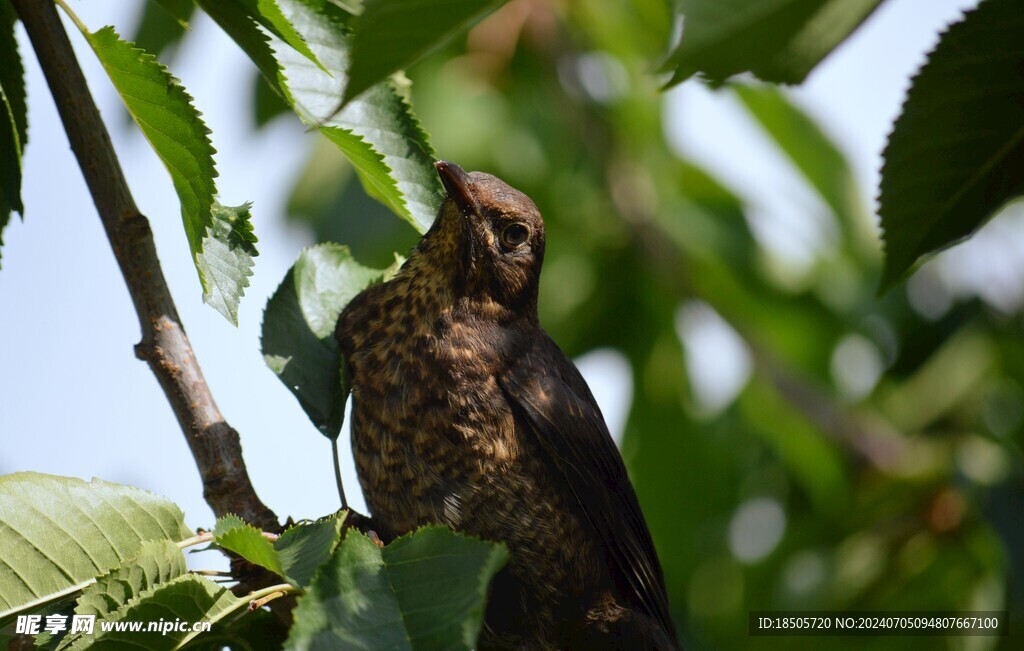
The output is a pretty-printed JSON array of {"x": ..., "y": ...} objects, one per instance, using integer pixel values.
[{"x": 466, "y": 413}]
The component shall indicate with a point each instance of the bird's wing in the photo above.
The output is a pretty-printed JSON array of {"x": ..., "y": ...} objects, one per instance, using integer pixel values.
[{"x": 553, "y": 403}]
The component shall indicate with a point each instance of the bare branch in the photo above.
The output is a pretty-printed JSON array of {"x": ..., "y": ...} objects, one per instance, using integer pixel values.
[{"x": 164, "y": 346}]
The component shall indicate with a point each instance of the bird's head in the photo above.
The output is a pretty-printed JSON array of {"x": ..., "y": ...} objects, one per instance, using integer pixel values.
[{"x": 490, "y": 236}]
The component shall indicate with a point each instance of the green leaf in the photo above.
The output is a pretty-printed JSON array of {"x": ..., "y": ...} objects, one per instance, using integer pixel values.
[
  {"x": 260, "y": 629},
  {"x": 13, "y": 118},
  {"x": 59, "y": 533},
  {"x": 297, "y": 554},
  {"x": 188, "y": 598},
  {"x": 163, "y": 24},
  {"x": 267, "y": 103},
  {"x": 813, "y": 462},
  {"x": 12, "y": 73},
  {"x": 426, "y": 590},
  {"x": 180, "y": 10},
  {"x": 235, "y": 19},
  {"x": 226, "y": 258},
  {"x": 242, "y": 20},
  {"x": 10, "y": 165},
  {"x": 45, "y": 639},
  {"x": 165, "y": 115},
  {"x": 435, "y": 562},
  {"x": 268, "y": 14},
  {"x": 956, "y": 153},
  {"x": 305, "y": 547},
  {"x": 377, "y": 131},
  {"x": 777, "y": 40},
  {"x": 354, "y": 7},
  {"x": 394, "y": 34},
  {"x": 811, "y": 151},
  {"x": 298, "y": 330},
  {"x": 158, "y": 561},
  {"x": 233, "y": 534},
  {"x": 228, "y": 522}
]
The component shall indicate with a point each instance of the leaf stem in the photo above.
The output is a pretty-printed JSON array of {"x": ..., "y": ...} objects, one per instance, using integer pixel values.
[
  {"x": 73, "y": 16},
  {"x": 208, "y": 536},
  {"x": 260, "y": 598},
  {"x": 337, "y": 473},
  {"x": 217, "y": 573},
  {"x": 198, "y": 539}
]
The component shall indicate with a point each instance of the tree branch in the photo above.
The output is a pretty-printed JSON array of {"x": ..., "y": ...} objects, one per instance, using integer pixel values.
[{"x": 164, "y": 346}]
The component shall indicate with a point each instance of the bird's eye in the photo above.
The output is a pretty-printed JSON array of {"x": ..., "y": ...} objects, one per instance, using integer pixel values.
[{"x": 515, "y": 234}]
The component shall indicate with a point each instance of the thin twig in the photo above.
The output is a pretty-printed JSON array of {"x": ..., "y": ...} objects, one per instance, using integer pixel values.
[
  {"x": 198, "y": 539},
  {"x": 214, "y": 444},
  {"x": 261, "y": 598}
]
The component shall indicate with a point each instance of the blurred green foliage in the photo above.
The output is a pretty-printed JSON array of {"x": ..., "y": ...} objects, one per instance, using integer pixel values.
[{"x": 807, "y": 490}]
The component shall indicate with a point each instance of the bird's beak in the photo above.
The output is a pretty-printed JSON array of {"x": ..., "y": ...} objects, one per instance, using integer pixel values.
[{"x": 457, "y": 186}]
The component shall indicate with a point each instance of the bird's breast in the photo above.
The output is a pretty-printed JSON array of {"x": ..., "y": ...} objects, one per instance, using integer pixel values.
[
  {"x": 435, "y": 441},
  {"x": 429, "y": 420}
]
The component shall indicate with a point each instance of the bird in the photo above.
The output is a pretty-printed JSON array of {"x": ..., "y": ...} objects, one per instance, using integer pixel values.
[{"x": 466, "y": 414}]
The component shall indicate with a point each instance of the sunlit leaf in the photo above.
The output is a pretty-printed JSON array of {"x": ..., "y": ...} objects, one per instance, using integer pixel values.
[
  {"x": 156, "y": 562},
  {"x": 165, "y": 115},
  {"x": 268, "y": 14},
  {"x": 226, "y": 259},
  {"x": 233, "y": 534},
  {"x": 377, "y": 131},
  {"x": 64, "y": 532}
]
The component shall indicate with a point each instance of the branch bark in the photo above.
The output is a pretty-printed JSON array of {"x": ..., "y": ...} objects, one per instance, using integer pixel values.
[{"x": 165, "y": 346}]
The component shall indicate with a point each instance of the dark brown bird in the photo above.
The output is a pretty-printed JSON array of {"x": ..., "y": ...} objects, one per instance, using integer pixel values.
[{"x": 466, "y": 413}]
